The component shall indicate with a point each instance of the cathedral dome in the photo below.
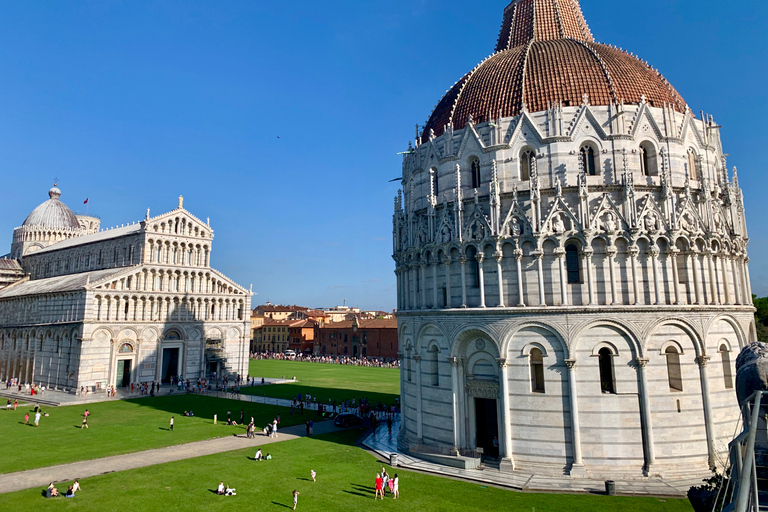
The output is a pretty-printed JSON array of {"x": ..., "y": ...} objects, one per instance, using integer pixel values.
[
  {"x": 52, "y": 214},
  {"x": 546, "y": 55}
]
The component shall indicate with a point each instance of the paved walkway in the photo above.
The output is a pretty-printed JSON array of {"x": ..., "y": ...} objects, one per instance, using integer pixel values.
[
  {"x": 386, "y": 445},
  {"x": 43, "y": 476}
]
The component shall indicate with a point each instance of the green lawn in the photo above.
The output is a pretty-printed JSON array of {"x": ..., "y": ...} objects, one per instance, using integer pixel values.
[
  {"x": 121, "y": 427},
  {"x": 334, "y": 381},
  {"x": 345, "y": 476}
]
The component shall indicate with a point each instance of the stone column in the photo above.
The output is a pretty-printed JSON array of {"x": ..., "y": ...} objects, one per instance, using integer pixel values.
[
  {"x": 746, "y": 279},
  {"x": 560, "y": 253},
  {"x": 480, "y": 257},
  {"x": 697, "y": 286},
  {"x": 447, "y": 262},
  {"x": 715, "y": 298},
  {"x": 654, "y": 252},
  {"x": 610, "y": 252},
  {"x": 737, "y": 291},
  {"x": 726, "y": 284},
  {"x": 539, "y": 255},
  {"x": 499, "y": 257},
  {"x": 435, "y": 305},
  {"x": 587, "y": 256},
  {"x": 505, "y": 448},
  {"x": 455, "y": 386},
  {"x": 518, "y": 262},
  {"x": 577, "y": 466},
  {"x": 419, "y": 413},
  {"x": 633, "y": 251},
  {"x": 673, "y": 252},
  {"x": 423, "y": 294},
  {"x": 708, "y": 420},
  {"x": 463, "y": 261},
  {"x": 645, "y": 410}
]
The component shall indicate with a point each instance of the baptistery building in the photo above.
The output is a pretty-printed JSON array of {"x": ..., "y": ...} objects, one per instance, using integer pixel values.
[
  {"x": 571, "y": 264},
  {"x": 84, "y": 307}
]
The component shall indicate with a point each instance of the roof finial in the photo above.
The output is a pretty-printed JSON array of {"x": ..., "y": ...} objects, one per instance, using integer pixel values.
[{"x": 181, "y": 202}]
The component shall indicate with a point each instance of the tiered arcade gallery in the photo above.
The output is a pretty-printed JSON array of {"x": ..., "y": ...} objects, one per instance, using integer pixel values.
[{"x": 571, "y": 263}]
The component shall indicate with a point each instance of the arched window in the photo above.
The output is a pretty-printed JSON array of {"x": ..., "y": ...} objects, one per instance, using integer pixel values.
[
  {"x": 647, "y": 160},
  {"x": 673, "y": 369},
  {"x": 434, "y": 367},
  {"x": 475, "y": 166},
  {"x": 526, "y": 160},
  {"x": 605, "y": 360},
  {"x": 434, "y": 181},
  {"x": 727, "y": 368},
  {"x": 588, "y": 160},
  {"x": 537, "y": 371},
  {"x": 693, "y": 172},
  {"x": 572, "y": 264}
]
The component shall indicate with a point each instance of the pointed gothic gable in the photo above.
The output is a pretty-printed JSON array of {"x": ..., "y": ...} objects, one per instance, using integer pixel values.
[
  {"x": 445, "y": 229},
  {"x": 649, "y": 210},
  {"x": 688, "y": 131},
  {"x": 516, "y": 215},
  {"x": 585, "y": 117},
  {"x": 470, "y": 141},
  {"x": 643, "y": 118},
  {"x": 560, "y": 207},
  {"x": 477, "y": 225},
  {"x": 515, "y": 131},
  {"x": 600, "y": 219},
  {"x": 688, "y": 218}
]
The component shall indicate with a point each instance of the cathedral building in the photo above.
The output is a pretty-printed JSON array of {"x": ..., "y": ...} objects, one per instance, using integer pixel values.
[
  {"x": 84, "y": 307},
  {"x": 572, "y": 274}
]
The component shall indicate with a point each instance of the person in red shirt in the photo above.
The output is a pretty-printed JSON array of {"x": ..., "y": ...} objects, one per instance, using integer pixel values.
[{"x": 379, "y": 487}]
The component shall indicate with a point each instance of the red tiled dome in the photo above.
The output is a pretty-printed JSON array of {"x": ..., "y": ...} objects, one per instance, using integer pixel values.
[{"x": 546, "y": 54}]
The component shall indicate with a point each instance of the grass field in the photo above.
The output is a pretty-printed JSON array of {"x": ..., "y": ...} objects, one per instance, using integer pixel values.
[
  {"x": 337, "y": 382},
  {"x": 123, "y": 426},
  {"x": 345, "y": 476}
]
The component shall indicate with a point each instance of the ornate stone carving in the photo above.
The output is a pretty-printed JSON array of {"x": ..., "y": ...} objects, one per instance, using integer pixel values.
[{"x": 482, "y": 389}]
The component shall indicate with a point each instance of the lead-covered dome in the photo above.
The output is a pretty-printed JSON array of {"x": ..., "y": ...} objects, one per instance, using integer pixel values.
[
  {"x": 546, "y": 55},
  {"x": 52, "y": 214}
]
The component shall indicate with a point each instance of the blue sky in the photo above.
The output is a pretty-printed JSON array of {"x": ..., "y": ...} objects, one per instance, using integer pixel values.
[{"x": 132, "y": 103}]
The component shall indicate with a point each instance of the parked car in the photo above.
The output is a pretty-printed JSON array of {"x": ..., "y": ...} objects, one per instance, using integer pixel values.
[
  {"x": 347, "y": 419},
  {"x": 289, "y": 353}
]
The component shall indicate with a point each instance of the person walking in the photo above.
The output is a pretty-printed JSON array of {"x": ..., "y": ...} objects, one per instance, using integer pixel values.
[
  {"x": 85, "y": 422},
  {"x": 313, "y": 474},
  {"x": 15, "y": 404},
  {"x": 37, "y": 418},
  {"x": 396, "y": 487},
  {"x": 171, "y": 424},
  {"x": 274, "y": 428},
  {"x": 26, "y": 419},
  {"x": 295, "y": 498}
]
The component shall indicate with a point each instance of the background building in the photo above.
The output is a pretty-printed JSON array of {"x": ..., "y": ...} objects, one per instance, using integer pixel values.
[
  {"x": 375, "y": 338},
  {"x": 138, "y": 303},
  {"x": 571, "y": 263}
]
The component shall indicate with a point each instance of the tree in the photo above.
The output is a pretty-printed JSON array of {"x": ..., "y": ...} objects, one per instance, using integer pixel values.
[{"x": 761, "y": 317}]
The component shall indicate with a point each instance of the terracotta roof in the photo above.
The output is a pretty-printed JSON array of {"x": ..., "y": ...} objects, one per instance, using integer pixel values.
[
  {"x": 545, "y": 55},
  {"x": 377, "y": 323}
]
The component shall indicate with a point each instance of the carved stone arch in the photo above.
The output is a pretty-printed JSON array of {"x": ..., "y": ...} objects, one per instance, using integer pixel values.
[
  {"x": 470, "y": 333},
  {"x": 684, "y": 324},
  {"x": 424, "y": 339},
  {"x": 174, "y": 332},
  {"x": 625, "y": 329},
  {"x": 737, "y": 327},
  {"x": 509, "y": 334}
]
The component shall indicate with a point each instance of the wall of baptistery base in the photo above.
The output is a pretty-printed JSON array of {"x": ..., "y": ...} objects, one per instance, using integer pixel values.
[{"x": 614, "y": 392}]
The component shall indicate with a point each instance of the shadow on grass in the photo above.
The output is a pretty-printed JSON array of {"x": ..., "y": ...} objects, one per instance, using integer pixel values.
[
  {"x": 290, "y": 391},
  {"x": 282, "y": 505},
  {"x": 358, "y": 494}
]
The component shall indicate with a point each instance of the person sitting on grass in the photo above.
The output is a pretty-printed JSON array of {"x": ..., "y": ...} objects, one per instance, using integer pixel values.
[
  {"x": 230, "y": 491},
  {"x": 76, "y": 485},
  {"x": 70, "y": 492},
  {"x": 220, "y": 489},
  {"x": 268, "y": 457},
  {"x": 258, "y": 455},
  {"x": 54, "y": 491}
]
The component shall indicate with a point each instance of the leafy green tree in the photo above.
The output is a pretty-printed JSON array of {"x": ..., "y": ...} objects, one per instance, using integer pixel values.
[{"x": 761, "y": 317}]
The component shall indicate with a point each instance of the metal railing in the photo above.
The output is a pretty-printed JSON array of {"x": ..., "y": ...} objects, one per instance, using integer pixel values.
[{"x": 747, "y": 477}]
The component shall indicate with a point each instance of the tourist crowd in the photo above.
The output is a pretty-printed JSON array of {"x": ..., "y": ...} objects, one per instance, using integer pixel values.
[{"x": 353, "y": 361}]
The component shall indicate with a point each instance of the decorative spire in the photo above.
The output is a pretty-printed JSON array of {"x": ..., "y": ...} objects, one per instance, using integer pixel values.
[{"x": 181, "y": 202}]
